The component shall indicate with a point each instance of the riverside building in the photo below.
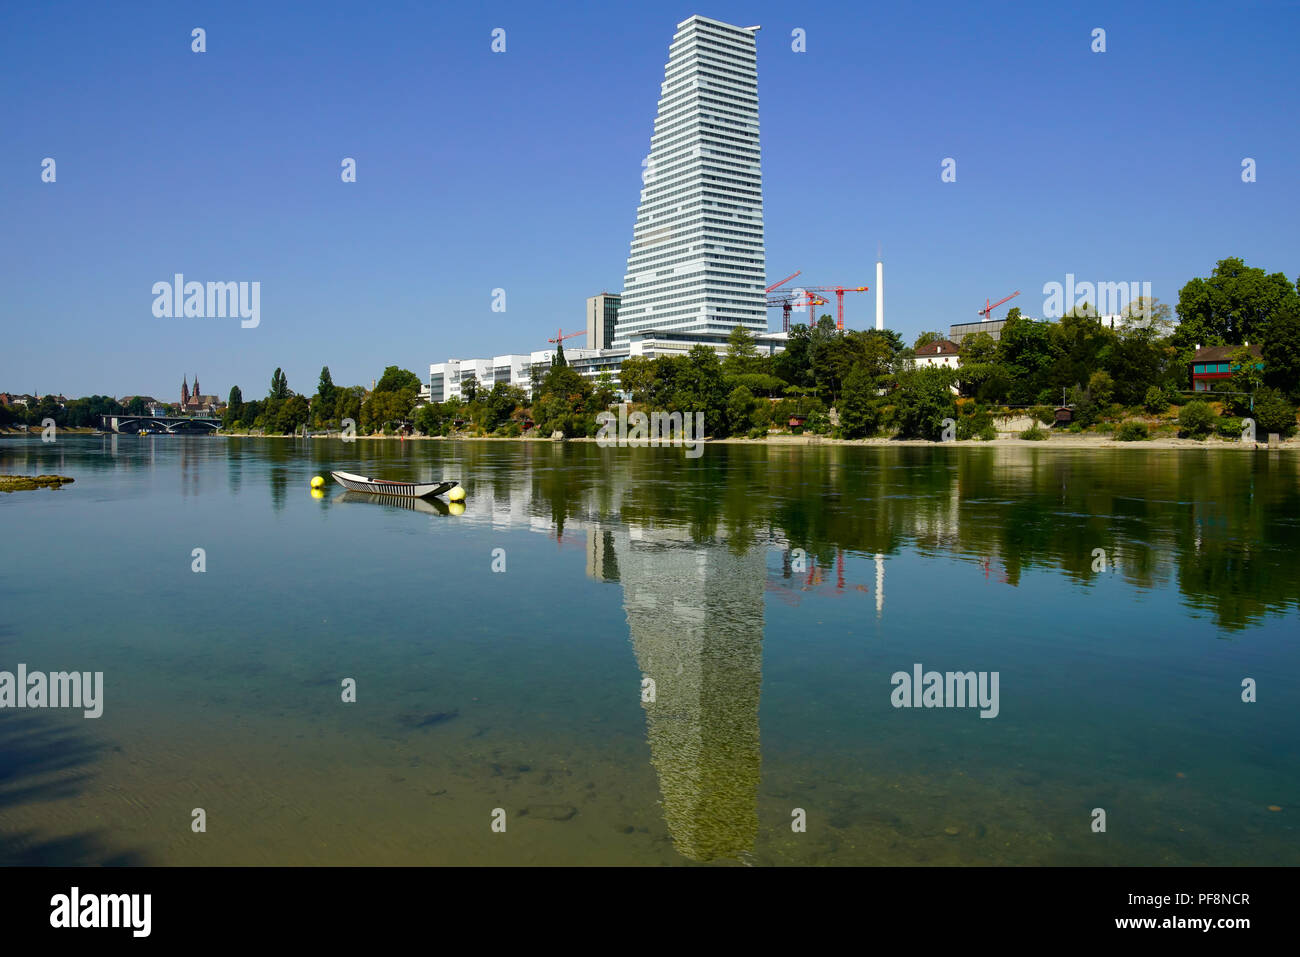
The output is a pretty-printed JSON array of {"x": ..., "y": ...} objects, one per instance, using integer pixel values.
[{"x": 697, "y": 264}]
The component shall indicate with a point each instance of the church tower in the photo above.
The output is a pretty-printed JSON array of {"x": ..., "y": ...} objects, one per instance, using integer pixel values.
[
  {"x": 196, "y": 393},
  {"x": 185, "y": 391}
]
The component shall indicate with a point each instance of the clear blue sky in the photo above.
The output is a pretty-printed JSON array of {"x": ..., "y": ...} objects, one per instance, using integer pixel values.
[{"x": 522, "y": 170}]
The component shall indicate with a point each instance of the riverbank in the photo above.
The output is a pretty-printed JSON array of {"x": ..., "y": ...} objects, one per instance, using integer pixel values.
[{"x": 1055, "y": 441}]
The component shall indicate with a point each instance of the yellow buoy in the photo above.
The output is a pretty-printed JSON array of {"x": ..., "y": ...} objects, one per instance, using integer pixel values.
[
  {"x": 456, "y": 508},
  {"x": 457, "y": 494},
  {"x": 318, "y": 493},
  {"x": 318, "y": 482}
]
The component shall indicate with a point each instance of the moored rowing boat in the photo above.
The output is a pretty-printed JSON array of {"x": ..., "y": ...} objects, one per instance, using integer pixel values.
[{"x": 361, "y": 483}]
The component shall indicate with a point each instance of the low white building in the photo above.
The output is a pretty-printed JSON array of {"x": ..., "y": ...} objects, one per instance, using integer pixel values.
[
  {"x": 447, "y": 379},
  {"x": 512, "y": 369},
  {"x": 440, "y": 375},
  {"x": 943, "y": 353}
]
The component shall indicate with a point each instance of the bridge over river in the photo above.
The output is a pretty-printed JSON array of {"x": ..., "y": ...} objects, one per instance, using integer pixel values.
[{"x": 175, "y": 425}]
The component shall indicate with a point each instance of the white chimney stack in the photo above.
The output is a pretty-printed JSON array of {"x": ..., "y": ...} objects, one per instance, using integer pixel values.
[{"x": 880, "y": 295}]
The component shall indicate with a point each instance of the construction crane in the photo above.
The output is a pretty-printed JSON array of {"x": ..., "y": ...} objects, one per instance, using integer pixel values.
[
  {"x": 987, "y": 311},
  {"x": 560, "y": 336},
  {"x": 839, "y": 299},
  {"x": 787, "y": 298},
  {"x": 784, "y": 281},
  {"x": 785, "y": 586}
]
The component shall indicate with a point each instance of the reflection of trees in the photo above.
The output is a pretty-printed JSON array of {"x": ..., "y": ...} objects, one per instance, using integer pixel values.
[
  {"x": 1220, "y": 525},
  {"x": 234, "y": 466}
]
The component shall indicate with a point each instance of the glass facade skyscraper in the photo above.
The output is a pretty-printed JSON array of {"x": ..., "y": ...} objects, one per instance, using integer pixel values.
[{"x": 697, "y": 262}]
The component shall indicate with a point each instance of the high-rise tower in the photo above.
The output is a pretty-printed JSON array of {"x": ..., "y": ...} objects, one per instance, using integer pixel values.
[{"x": 697, "y": 262}]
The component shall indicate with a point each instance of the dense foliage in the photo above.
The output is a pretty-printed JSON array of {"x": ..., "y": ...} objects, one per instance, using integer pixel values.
[{"x": 853, "y": 384}]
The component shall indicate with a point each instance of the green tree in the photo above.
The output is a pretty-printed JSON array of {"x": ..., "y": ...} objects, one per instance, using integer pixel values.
[
  {"x": 858, "y": 409},
  {"x": 1139, "y": 358},
  {"x": 636, "y": 376},
  {"x": 925, "y": 338},
  {"x": 794, "y": 364},
  {"x": 1025, "y": 352},
  {"x": 1084, "y": 408},
  {"x": 1247, "y": 378},
  {"x": 279, "y": 386},
  {"x": 604, "y": 394},
  {"x": 757, "y": 383},
  {"x": 700, "y": 387},
  {"x": 1233, "y": 305},
  {"x": 741, "y": 405},
  {"x": 923, "y": 400},
  {"x": 347, "y": 405},
  {"x": 978, "y": 347},
  {"x": 326, "y": 395},
  {"x": 251, "y": 412},
  {"x": 982, "y": 372},
  {"x": 828, "y": 357},
  {"x": 291, "y": 414},
  {"x": 1101, "y": 387},
  {"x": 1196, "y": 419},
  {"x": 433, "y": 418},
  {"x": 234, "y": 410},
  {"x": 1273, "y": 413},
  {"x": 1078, "y": 343},
  {"x": 563, "y": 406},
  {"x": 1281, "y": 350},
  {"x": 384, "y": 410},
  {"x": 742, "y": 354},
  {"x": 560, "y": 362},
  {"x": 1147, "y": 312},
  {"x": 499, "y": 406},
  {"x": 394, "y": 379}
]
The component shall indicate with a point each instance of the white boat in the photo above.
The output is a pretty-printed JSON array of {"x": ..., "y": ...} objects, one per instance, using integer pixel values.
[{"x": 360, "y": 483}]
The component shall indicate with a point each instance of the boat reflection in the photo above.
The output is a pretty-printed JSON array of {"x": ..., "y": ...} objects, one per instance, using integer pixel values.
[{"x": 430, "y": 506}]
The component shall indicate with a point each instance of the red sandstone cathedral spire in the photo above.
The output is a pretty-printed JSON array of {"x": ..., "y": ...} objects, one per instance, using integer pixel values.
[{"x": 185, "y": 391}]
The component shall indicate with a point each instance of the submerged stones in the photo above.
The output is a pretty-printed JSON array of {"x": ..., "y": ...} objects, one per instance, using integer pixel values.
[
  {"x": 24, "y": 483},
  {"x": 549, "y": 812},
  {"x": 429, "y": 719}
]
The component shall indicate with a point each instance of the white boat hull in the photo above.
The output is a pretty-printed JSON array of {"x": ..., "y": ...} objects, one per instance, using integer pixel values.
[{"x": 361, "y": 483}]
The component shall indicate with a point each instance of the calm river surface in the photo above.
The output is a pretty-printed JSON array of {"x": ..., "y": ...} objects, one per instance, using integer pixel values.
[{"x": 769, "y": 593}]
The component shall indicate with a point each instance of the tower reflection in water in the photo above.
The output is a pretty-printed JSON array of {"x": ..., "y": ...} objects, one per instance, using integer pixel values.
[{"x": 695, "y": 612}]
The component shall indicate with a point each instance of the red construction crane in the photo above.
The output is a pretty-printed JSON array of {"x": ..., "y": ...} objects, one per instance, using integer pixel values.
[
  {"x": 839, "y": 298},
  {"x": 785, "y": 280},
  {"x": 988, "y": 310},
  {"x": 786, "y": 298},
  {"x": 785, "y": 586},
  {"x": 560, "y": 336}
]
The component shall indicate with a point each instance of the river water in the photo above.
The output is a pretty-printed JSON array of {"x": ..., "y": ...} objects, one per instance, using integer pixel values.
[{"x": 630, "y": 656}]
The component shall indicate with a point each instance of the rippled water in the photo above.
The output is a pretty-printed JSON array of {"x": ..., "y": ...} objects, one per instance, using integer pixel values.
[{"x": 768, "y": 592}]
